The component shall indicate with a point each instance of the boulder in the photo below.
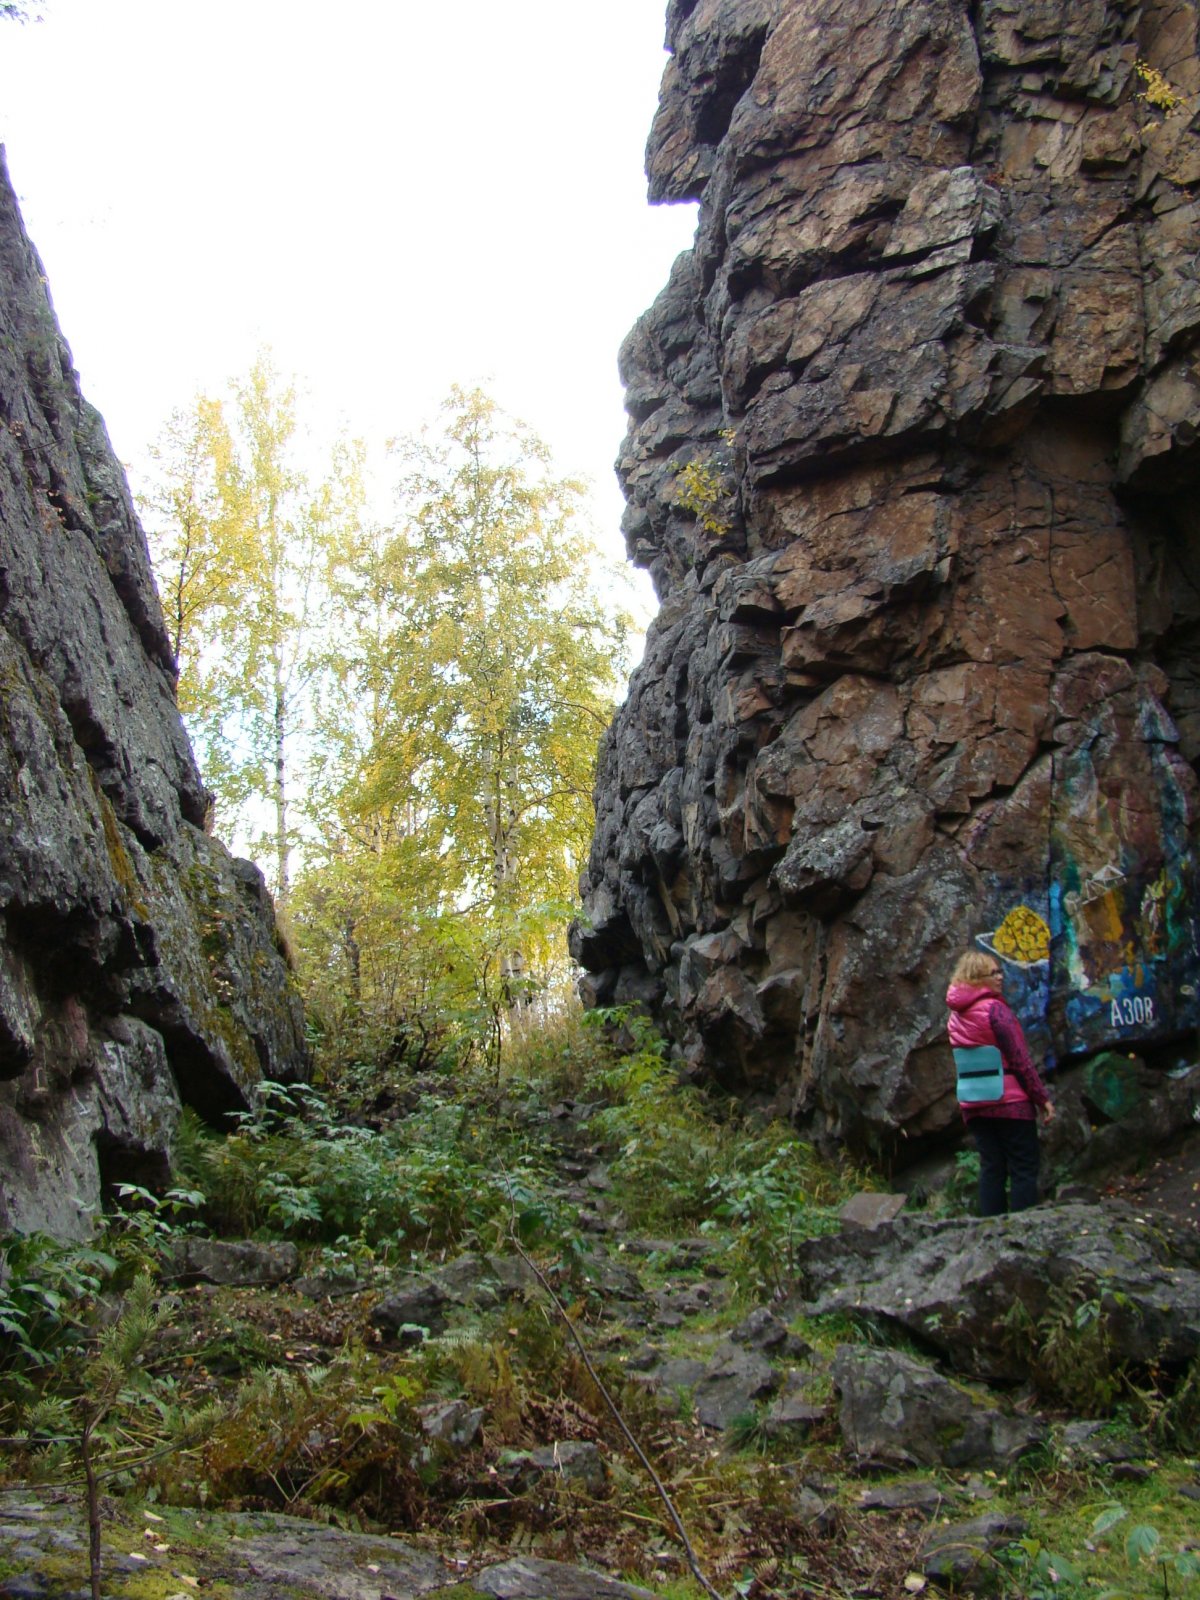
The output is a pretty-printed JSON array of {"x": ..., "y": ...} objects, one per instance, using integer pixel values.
[
  {"x": 573, "y": 1460},
  {"x": 960, "y": 1555},
  {"x": 919, "y": 1495},
  {"x": 420, "y": 1303},
  {"x": 263, "y": 1552},
  {"x": 451, "y": 1422},
  {"x": 1093, "y": 1444},
  {"x": 962, "y": 1286},
  {"x": 529, "y": 1578},
  {"x": 762, "y": 1330},
  {"x": 898, "y": 1412},
  {"x": 326, "y": 1562},
  {"x": 426, "y": 1300},
  {"x": 872, "y": 1210},
  {"x": 794, "y": 1410},
  {"x": 681, "y": 1372},
  {"x": 233, "y": 1263},
  {"x": 732, "y": 1386}
]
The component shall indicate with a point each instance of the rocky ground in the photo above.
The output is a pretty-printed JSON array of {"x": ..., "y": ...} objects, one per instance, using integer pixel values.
[{"x": 881, "y": 1424}]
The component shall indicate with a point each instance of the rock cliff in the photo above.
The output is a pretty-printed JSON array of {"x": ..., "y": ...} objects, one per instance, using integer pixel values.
[
  {"x": 139, "y": 962},
  {"x": 912, "y": 456}
]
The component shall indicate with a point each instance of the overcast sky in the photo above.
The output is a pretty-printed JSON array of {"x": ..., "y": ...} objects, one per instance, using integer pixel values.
[{"x": 394, "y": 197}]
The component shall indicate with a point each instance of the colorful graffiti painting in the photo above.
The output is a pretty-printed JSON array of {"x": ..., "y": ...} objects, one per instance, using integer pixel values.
[
  {"x": 1122, "y": 898},
  {"x": 1096, "y": 931},
  {"x": 1125, "y": 943},
  {"x": 1020, "y": 941}
]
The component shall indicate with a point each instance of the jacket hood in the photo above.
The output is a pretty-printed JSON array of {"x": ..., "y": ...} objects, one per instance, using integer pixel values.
[{"x": 962, "y": 996}]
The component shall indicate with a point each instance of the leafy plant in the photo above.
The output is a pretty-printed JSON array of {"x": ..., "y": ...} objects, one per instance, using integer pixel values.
[
  {"x": 666, "y": 1141},
  {"x": 1157, "y": 90},
  {"x": 700, "y": 488},
  {"x": 1069, "y": 1349},
  {"x": 1044, "y": 1574},
  {"x": 112, "y": 1380},
  {"x": 441, "y": 1175},
  {"x": 775, "y": 1195},
  {"x": 45, "y": 1290},
  {"x": 142, "y": 1221},
  {"x": 1077, "y": 1353},
  {"x": 291, "y": 1439},
  {"x": 1175, "y": 1418}
]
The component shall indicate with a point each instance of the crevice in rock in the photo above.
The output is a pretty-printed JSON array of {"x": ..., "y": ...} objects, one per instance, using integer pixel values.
[
  {"x": 734, "y": 75},
  {"x": 121, "y": 1163}
]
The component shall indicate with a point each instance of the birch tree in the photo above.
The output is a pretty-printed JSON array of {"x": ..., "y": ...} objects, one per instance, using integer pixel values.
[
  {"x": 239, "y": 530},
  {"x": 478, "y": 669}
]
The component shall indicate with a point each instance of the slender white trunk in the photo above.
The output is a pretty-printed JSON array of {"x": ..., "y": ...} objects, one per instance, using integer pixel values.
[{"x": 283, "y": 889}]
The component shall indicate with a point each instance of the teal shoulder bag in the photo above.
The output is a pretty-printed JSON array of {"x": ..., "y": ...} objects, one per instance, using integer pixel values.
[{"x": 980, "y": 1075}]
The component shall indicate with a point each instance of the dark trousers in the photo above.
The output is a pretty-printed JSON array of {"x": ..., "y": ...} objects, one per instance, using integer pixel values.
[{"x": 1008, "y": 1164}]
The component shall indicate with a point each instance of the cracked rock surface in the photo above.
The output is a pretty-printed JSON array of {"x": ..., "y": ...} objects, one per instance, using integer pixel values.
[
  {"x": 911, "y": 453},
  {"x": 140, "y": 968}
]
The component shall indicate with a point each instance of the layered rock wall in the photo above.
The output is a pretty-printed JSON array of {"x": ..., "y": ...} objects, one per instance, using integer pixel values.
[
  {"x": 139, "y": 962},
  {"x": 914, "y": 434}
]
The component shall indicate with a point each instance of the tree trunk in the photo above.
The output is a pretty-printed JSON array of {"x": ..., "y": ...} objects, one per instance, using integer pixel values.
[
  {"x": 93, "y": 1505},
  {"x": 354, "y": 956},
  {"x": 283, "y": 886},
  {"x": 505, "y": 867}
]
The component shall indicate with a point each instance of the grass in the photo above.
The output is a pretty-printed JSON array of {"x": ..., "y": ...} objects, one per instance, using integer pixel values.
[
  {"x": 313, "y": 1415},
  {"x": 1131, "y": 1539}
]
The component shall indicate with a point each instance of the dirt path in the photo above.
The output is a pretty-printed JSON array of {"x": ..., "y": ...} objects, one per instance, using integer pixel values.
[{"x": 1169, "y": 1184}]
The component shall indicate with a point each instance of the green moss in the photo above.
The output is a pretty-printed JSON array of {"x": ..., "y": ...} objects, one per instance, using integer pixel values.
[
  {"x": 202, "y": 892},
  {"x": 61, "y": 1572},
  {"x": 152, "y": 1584},
  {"x": 118, "y": 857}
]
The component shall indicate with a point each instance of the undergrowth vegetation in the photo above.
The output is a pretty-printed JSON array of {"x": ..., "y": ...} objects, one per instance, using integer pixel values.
[
  {"x": 114, "y": 1375},
  {"x": 463, "y": 1160}
]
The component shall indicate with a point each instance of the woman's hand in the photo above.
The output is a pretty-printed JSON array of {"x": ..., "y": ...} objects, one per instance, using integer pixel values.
[{"x": 1048, "y": 1112}]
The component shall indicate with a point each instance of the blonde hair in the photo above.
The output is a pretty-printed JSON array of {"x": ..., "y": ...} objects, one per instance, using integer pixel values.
[{"x": 976, "y": 966}]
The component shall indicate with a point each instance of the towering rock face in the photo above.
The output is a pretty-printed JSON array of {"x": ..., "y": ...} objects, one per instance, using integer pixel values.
[
  {"x": 913, "y": 446},
  {"x": 139, "y": 963}
]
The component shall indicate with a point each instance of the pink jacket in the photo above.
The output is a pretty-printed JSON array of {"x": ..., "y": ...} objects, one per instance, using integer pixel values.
[{"x": 979, "y": 1016}]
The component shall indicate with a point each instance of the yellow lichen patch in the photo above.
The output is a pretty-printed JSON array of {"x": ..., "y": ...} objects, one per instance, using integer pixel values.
[
  {"x": 118, "y": 856},
  {"x": 1022, "y": 936}
]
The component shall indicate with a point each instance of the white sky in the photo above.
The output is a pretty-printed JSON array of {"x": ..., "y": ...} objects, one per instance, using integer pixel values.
[{"x": 393, "y": 196}]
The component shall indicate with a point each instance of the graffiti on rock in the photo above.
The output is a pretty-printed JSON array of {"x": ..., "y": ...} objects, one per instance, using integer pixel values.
[
  {"x": 1122, "y": 898},
  {"x": 1106, "y": 953},
  {"x": 1021, "y": 943}
]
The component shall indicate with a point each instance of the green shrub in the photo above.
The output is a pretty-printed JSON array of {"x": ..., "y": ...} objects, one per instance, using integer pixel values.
[
  {"x": 665, "y": 1135},
  {"x": 439, "y": 1177},
  {"x": 773, "y": 1193},
  {"x": 46, "y": 1289},
  {"x": 1174, "y": 1420},
  {"x": 1069, "y": 1350},
  {"x": 341, "y": 1435}
]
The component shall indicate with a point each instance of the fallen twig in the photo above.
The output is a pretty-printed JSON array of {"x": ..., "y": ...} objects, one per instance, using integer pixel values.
[{"x": 618, "y": 1418}]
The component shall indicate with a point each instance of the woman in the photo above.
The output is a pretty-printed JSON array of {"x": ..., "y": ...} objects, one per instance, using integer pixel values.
[{"x": 1005, "y": 1129}]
